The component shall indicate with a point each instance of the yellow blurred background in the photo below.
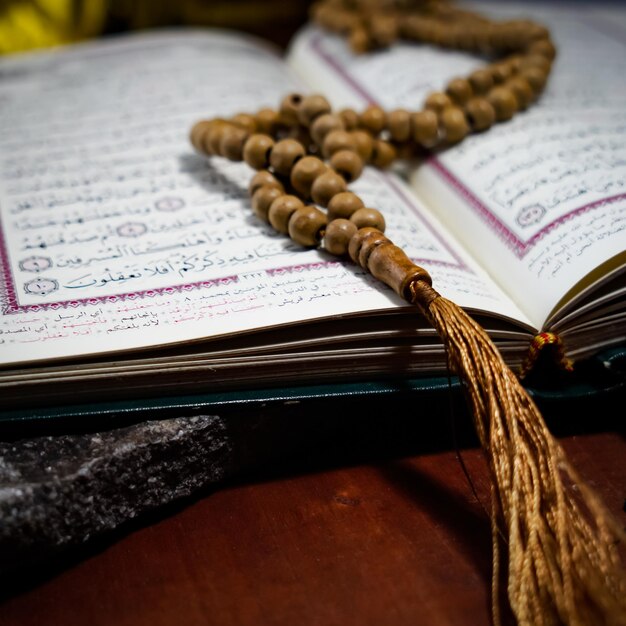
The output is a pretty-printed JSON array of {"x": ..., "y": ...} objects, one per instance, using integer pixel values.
[{"x": 29, "y": 24}]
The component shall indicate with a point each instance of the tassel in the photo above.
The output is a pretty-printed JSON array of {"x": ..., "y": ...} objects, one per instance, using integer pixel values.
[{"x": 564, "y": 564}]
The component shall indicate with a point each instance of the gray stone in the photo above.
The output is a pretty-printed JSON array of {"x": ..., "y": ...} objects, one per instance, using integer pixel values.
[{"x": 57, "y": 491}]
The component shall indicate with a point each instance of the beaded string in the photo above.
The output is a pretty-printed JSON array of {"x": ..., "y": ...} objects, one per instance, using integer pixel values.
[{"x": 563, "y": 560}]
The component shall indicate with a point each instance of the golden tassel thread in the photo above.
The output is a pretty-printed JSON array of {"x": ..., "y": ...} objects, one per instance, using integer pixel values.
[{"x": 563, "y": 544}]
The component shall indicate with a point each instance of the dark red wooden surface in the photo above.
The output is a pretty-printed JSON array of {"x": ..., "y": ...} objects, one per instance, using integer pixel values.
[{"x": 397, "y": 542}]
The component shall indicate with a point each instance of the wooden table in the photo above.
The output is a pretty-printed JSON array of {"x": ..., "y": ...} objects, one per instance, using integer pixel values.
[{"x": 399, "y": 541}]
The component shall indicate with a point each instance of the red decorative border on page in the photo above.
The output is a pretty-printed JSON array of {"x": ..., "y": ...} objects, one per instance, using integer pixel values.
[
  {"x": 11, "y": 297},
  {"x": 519, "y": 246}
]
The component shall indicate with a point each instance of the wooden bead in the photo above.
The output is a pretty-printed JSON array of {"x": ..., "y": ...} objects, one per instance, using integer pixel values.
[
  {"x": 337, "y": 140},
  {"x": 536, "y": 60},
  {"x": 503, "y": 101},
  {"x": 480, "y": 114},
  {"x": 343, "y": 205},
  {"x": 350, "y": 118},
  {"x": 304, "y": 173},
  {"x": 368, "y": 217},
  {"x": 245, "y": 121},
  {"x": 363, "y": 242},
  {"x": 454, "y": 124},
  {"x": 281, "y": 210},
  {"x": 326, "y": 186},
  {"x": 514, "y": 62},
  {"x": 437, "y": 101},
  {"x": 284, "y": 155},
  {"x": 459, "y": 90},
  {"x": 337, "y": 236},
  {"x": 481, "y": 81},
  {"x": 289, "y": 108},
  {"x": 232, "y": 142},
  {"x": 544, "y": 47},
  {"x": 524, "y": 93},
  {"x": 373, "y": 119},
  {"x": 500, "y": 72},
  {"x": 347, "y": 163},
  {"x": 383, "y": 154},
  {"x": 359, "y": 40},
  {"x": 257, "y": 150},
  {"x": 364, "y": 144},
  {"x": 384, "y": 30},
  {"x": 213, "y": 136},
  {"x": 425, "y": 128},
  {"x": 391, "y": 265},
  {"x": 325, "y": 124},
  {"x": 311, "y": 107},
  {"x": 306, "y": 224},
  {"x": 399, "y": 125},
  {"x": 264, "y": 178},
  {"x": 536, "y": 78},
  {"x": 266, "y": 121},
  {"x": 196, "y": 136},
  {"x": 262, "y": 200}
]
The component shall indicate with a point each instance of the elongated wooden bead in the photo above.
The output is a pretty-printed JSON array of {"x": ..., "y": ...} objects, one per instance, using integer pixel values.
[
  {"x": 264, "y": 178},
  {"x": 284, "y": 154},
  {"x": 390, "y": 264},
  {"x": 326, "y": 186},
  {"x": 343, "y": 205},
  {"x": 348, "y": 164},
  {"x": 262, "y": 200},
  {"x": 337, "y": 236},
  {"x": 305, "y": 172},
  {"x": 306, "y": 224},
  {"x": 368, "y": 217},
  {"x": 257, "y": 150},
  {"x": 281, "y": 210},
  {"x": 363, "y": 242}
]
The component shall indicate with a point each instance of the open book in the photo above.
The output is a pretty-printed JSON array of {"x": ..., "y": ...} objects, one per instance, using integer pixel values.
[{"x": 133, "y": 266}]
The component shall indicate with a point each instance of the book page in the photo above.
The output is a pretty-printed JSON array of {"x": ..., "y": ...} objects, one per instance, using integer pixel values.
[
  {"x": 115, "y": 235},
  {"x": 541, "y": 200}
]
